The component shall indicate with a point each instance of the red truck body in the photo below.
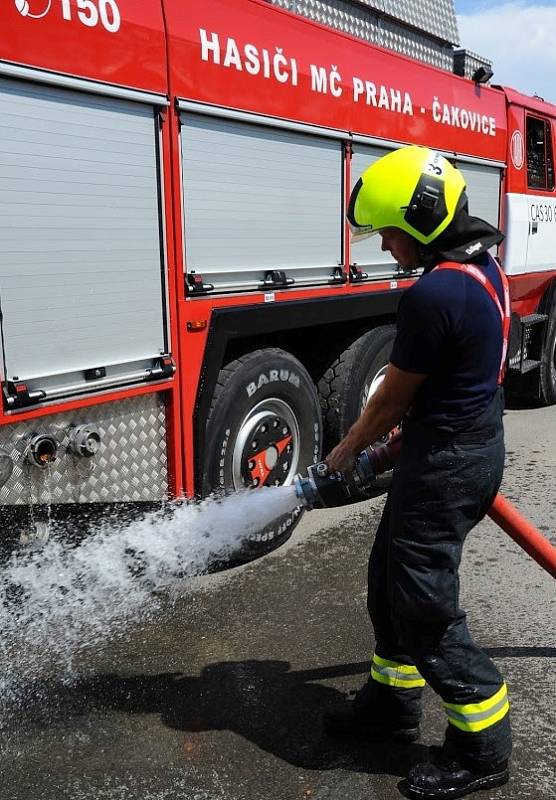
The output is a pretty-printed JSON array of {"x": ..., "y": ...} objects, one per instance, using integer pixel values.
[{"x": 251, "y": 107}]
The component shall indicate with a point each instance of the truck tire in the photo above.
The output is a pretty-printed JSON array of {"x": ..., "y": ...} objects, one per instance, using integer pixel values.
[
  {"x": 348, "y": 383},
  {"x": 548, "y": 362},
  {"x": 261, "y": 400}
]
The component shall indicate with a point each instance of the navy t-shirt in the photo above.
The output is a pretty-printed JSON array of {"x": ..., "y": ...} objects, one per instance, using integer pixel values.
[{"x": 449, "y": 328}]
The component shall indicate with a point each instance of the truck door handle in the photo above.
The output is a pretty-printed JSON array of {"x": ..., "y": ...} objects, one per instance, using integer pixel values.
[{"x": 534, "y": 227}]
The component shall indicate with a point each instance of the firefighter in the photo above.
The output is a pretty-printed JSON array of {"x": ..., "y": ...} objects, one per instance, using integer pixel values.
[{"x": 445, "y": 380}]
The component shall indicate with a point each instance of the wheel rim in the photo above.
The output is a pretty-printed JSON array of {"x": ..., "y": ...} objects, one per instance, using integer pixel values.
[
  {"x": 266, "y": 450},
  {"x": 371, "y": 386}
]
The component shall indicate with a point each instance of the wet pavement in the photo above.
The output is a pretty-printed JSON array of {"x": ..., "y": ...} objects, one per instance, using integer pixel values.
[{"x": 223, "y": 697}]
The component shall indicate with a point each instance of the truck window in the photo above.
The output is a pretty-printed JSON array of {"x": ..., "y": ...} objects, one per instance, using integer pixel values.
[{"x": 540, "y": 163}]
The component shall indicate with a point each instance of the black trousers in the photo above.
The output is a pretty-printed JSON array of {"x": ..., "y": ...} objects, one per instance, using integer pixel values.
[{"x": 443, "y": 485}]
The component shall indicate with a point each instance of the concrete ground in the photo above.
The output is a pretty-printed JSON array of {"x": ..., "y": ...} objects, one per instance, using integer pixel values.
[{"x": 223, "y": 698}]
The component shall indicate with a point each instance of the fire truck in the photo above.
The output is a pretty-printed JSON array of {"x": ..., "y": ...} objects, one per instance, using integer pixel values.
[{"x": 182, "y": 310}]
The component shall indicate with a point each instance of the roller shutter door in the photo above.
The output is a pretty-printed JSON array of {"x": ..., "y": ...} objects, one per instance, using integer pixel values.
[
  {"x": 81, "y": 268},
  {"x": 258, "y": 199},
  {"x": 367, "y": 255},
  {"x": 483, "y": 190}
]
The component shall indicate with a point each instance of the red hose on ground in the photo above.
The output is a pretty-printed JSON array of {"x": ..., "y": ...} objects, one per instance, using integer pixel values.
[{"x": 524, "y": 533}]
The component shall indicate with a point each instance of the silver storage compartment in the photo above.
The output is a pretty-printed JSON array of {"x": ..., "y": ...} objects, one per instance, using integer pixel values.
[
  {"x": 259, "y": 199},
  {"x": 483, "y": 190},
  {"x": 81, "y": 263}
]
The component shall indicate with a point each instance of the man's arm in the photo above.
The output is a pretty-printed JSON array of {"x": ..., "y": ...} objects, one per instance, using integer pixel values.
[{"x": 383, "y": 412}]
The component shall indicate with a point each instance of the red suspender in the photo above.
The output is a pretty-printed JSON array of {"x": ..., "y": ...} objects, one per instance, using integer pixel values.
[{"x": 479, "y": 275}]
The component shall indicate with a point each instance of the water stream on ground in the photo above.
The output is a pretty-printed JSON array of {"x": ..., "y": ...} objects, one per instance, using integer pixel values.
[{"x": 62, "y": 598}]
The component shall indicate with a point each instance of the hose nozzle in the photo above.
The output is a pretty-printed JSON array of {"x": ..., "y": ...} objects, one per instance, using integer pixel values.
[{"x": 323, "y": 488}]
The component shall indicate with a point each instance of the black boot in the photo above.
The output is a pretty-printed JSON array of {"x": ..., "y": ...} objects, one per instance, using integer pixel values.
[
  {"x": 366, "y": 717},
  {"x": 449, "y": 776}
]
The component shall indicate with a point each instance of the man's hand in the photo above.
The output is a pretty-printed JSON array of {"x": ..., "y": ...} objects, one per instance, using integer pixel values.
[{"x": 341, "y": 457}]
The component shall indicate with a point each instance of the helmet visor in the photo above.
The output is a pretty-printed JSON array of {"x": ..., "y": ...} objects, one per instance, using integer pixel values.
[{"x": 361, "y": 232}]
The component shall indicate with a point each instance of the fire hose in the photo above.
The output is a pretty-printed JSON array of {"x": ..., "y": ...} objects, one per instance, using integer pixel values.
[{"x": 322, "y": 488}]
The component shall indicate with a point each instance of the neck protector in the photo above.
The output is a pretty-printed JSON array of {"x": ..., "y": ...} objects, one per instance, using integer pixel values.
[{"x": 464, "y": 239}]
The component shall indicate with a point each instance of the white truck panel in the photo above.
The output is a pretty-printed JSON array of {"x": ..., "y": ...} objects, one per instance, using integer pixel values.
[
  {"x": 517, "y": 234},
  {"x": 530, "y": 244},
  {"x": 531, "y": 234}
]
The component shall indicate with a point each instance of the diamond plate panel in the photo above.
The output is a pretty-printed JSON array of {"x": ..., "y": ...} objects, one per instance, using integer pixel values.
[
  {"x": 466, "y": 63},
  {"x": 131, "y": 465},
  {"x": 434, "y": 16},
  {"x": 366, "y": 23},
  {"x": 343, "y": 16},
  {"x": 416, "y": 45}
]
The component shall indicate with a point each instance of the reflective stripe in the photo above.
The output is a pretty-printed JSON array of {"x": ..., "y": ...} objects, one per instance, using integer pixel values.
[
  {"x": 391, "y": 673},
  {"x": 473, "y": 717},
  {"x": 505, "y": 313}
]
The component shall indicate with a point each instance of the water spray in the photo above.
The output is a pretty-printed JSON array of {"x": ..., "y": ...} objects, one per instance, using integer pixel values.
[
  {"x": 66, "y": 600},
  {"x": 324, "y": 488}
]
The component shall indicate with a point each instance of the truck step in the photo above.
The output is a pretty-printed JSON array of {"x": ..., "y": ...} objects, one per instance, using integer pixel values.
[
  {"x": 531, "y": 335},
  {"x": 533, "y": 319}
]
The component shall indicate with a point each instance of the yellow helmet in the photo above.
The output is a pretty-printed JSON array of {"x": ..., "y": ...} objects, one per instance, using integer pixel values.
[{"x": 414, "y": 189}]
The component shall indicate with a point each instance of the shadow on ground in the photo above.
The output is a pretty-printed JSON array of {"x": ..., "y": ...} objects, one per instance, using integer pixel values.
[
  {"x": 278, "y": 709},
  {"x": 267, "y": 703}
]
